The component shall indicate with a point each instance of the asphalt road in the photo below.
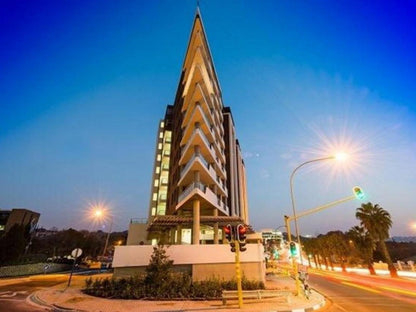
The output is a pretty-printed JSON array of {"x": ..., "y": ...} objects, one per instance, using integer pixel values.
[
  {"x": 354, "y": 293},
  {"x": 13, "y": 296}
]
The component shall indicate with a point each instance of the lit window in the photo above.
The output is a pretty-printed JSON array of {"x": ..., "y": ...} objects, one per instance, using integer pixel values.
[
  {"x": 156, "y": 182},
  {"x": 162, "y": 124},
  {"x": 158, "y": 169},
  {"x": 154, "y": 196},
  {"x": 161, "y": 135},
  {"x": 161, "y": 209},
  {"x": 159, "y": 157},
  {"x": 159, "y": 146},
  {"x": 153, "y": 211}
]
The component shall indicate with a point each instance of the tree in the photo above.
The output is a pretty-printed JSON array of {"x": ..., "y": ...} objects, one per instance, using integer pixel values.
[
  {"x": 363, "y": 245},
  {"x": 158, "y": 270},
  {"x": 377, "y": 222},
  {"x": 339, "y": 247},
  {"x": 12, "y": 244}
]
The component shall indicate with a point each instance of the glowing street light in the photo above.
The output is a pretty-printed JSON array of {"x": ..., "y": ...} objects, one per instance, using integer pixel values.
[
  {"x": 341, "y": 156},
  {"x": 100, "y": 214}
]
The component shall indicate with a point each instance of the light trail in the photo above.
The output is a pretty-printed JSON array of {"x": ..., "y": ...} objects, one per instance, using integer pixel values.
[{"x": 362, "y": 287}]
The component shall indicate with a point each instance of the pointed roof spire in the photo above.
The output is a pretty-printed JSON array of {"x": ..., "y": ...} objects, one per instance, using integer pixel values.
[{"x": 198, "y": 27}]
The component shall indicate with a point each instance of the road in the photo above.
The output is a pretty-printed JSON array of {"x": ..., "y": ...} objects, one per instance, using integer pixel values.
[
  {"x": 13, "y": 293},
  {"x": 355, "y": 293}
]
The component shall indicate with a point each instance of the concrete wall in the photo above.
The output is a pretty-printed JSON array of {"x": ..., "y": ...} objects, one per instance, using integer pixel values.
[
  {"x": 137, "y": 233},
  {"x": 204, "y": 261}
]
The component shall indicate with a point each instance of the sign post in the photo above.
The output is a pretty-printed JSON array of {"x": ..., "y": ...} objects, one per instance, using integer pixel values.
[{"x": 75, "y": 253}]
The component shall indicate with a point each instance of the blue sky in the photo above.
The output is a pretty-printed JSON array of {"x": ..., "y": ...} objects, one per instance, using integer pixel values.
[{"x": 84, "y": 83}]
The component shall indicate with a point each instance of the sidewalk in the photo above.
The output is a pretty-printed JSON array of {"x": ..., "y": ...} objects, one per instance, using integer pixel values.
[{"x": 59, "y": 299}]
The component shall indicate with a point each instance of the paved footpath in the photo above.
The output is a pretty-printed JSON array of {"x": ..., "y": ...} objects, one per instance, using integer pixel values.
[{"x": 72, "y": 299}]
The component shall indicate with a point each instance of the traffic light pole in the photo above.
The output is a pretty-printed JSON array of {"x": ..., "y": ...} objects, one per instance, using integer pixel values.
[
  {"x": 238, "y": 274},
  {"x": 294, "y": 263},
  {"x": 302, "y": 214}
]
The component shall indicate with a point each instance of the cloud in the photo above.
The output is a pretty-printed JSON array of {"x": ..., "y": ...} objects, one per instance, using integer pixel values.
[
  {"x": 247, "y": 155},
  {"x": 265, "y": 174}
]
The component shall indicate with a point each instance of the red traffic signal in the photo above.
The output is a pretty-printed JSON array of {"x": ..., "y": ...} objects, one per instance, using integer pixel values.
[
  {"x": 241, "y": 236},
  {"x": 228, "y": 231}
]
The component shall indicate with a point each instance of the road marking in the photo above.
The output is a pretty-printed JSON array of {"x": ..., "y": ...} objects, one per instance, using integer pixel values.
[
  {"x": 9, "y": 294},
  {"x": 362, "y": 287},
  {"x": 400, "y": 291}
]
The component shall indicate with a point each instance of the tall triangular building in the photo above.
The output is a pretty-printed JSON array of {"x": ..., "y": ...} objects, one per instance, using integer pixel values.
[{"x": 199, "y": 180}]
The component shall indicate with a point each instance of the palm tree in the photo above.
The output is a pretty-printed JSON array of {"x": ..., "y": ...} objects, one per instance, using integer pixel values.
[
  {"x": 361, "y": 241},
  {"x": 377, "y": 222}
]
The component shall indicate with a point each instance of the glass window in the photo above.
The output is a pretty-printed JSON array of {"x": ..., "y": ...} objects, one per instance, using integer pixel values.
[
  {"x": 154, "y": 196},
  {"x": 156, "y": 182},
  {"x": 161, "y": 135},
  {"x": 157, "y": 169}
]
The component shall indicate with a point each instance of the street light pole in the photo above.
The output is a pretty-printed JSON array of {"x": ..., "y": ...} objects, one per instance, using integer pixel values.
[
  {"x": 292, "y": 196},
  {"x": 108, "y": 237}
]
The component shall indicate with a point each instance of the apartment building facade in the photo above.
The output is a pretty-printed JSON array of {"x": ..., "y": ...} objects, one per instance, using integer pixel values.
[{"x": 199, "y": 178}]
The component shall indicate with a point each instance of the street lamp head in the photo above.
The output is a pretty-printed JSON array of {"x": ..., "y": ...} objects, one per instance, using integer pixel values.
[
  {"x": 341, "y": 156},
  {"x": 98, "y": 213}
]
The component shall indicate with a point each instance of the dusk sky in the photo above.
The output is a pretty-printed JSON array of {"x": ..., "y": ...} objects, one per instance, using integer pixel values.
[{"x": 83, "y": 85}]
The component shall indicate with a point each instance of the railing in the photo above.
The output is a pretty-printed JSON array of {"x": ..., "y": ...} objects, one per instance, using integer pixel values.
[
  {"x": 138, "y": 220},
  {"x": 204, "y": 117},
  {"x": 204, "y": 138},
  {"x": 190, "y": 188},
  {"x": 189, "y": 163}
]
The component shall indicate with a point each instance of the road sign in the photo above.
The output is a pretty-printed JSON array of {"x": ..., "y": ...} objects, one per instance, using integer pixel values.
[{"x": 76, "y": 252}]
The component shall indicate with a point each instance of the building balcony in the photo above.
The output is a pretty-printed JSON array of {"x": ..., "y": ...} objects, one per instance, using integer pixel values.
[
  {"x": 207, "y": 173},
  {"x": 197, "y": 138},
  {"x": 198, "y": 96},
  {"x": 197, "y": 73},
  {"x": 198, "y": 119},
  {"x": 206, "y": 195}
]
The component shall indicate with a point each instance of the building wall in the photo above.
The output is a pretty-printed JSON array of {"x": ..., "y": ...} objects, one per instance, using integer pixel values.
[
  {"x": 206, "y": 261},
  {"x": 22, "y": 217},
  {"x": 137, "y": 234}
]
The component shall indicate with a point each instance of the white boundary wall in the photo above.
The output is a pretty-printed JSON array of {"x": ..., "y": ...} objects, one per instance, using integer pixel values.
[{"x": 139, "y": 255}]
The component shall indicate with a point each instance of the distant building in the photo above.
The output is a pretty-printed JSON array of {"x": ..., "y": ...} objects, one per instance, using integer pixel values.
[
  {"x": 199, "y": 177},
  {"x": 25, "y": 217},
  {"x": 271, "y": 234},
  {"x": 41, "y": 233}
]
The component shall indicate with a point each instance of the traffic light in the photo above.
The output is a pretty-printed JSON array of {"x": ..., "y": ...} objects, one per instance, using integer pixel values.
[
  {"x": 293, "y": 250},
  {"x": 358, "y": 192},
  {"x": 228, "y": 230},
  {"x": 241, "y": 236}
]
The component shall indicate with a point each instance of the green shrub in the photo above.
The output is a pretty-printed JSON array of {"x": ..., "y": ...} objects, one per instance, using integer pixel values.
[{"x": 160, "y": 283}]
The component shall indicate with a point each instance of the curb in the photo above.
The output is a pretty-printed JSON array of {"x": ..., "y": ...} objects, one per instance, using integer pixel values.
[
  {"x": 33, "y": 299},
  {"x": 309, "y": 309}
]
